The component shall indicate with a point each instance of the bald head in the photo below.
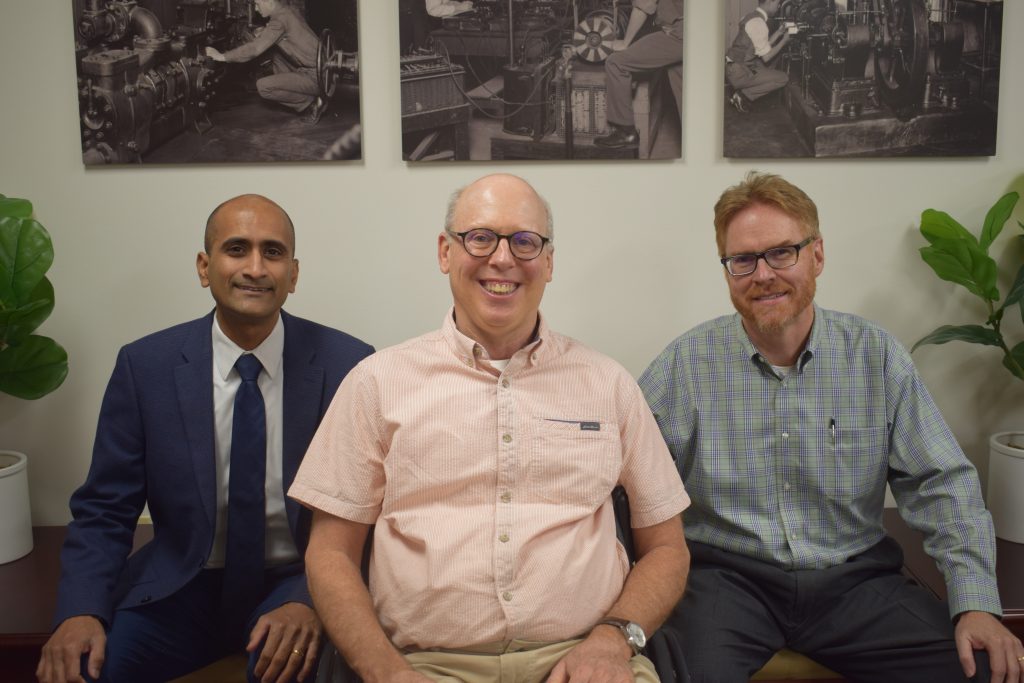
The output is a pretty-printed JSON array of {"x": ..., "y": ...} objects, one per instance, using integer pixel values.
[
  {"x": 245, "y": 203},
  {"x": 508, "y": 186}
]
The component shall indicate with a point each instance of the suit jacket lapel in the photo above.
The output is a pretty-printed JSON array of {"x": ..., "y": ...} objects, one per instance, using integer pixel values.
[
  {"x": 303, "y": 391},
  {"x": 194, "y": 381}
]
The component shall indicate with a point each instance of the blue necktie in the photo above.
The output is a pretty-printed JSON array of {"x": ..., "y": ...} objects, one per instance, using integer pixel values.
[{"x": 244, "y": 554}]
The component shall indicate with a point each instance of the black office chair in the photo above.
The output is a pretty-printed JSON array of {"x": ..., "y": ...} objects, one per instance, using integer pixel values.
[{"x": 662, "y": 648}]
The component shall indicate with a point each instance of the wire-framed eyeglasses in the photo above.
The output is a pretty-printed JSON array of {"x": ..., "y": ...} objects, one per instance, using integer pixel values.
[
  {"x": 481, "y": 242},
  {"x": 776, "y": 257}
]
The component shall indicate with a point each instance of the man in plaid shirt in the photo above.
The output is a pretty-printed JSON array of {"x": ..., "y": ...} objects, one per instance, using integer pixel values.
[{"x": 787, "y": 421}]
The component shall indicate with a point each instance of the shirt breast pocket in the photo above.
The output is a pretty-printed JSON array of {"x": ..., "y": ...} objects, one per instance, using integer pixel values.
[
  {"x": 574, "y": 462},
  {"x": 856, "y": 462}
]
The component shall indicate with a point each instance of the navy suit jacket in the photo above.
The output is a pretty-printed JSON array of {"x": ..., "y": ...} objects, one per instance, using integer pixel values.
[{"x": 155, "y": 445}]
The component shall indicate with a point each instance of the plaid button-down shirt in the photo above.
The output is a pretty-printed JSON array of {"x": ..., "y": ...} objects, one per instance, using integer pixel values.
[{"x": 791, "y": 468}]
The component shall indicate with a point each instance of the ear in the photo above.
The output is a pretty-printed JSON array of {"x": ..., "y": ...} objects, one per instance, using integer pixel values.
[
  {"x": 294, "y": 276},
  {"x": 443, "y": 252},
  {"x": 819, "y": 256},
  {"x": 203, "y": 267},
  {"x": 550, "y": 264}
]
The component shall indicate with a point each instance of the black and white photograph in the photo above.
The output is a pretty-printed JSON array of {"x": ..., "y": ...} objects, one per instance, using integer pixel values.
[
  {"x": 541, "y": 79},
  {"x": 861, "y": 78},
  {"x": 207, "y": 81}
]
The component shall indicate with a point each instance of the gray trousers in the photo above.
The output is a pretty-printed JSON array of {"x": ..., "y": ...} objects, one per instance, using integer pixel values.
[
  {"x": 755, "y": 80},
  {"x": 862, "y": 619},
  {"x": 291, "y": 87},
  {"x": 653, "y": 51}
]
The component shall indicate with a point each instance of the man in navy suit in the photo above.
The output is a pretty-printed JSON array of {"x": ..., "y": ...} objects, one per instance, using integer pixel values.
[{"x": 165, "y": 439}]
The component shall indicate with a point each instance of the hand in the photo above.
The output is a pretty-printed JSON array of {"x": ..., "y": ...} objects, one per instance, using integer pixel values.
[
  {"x": 214, "y": 54},
  {"x": 603, "y": 656},
  {"x": 982, "y": 631},
  {"x": 61, "y": 658},
  {"x": 285, "y": 632}
]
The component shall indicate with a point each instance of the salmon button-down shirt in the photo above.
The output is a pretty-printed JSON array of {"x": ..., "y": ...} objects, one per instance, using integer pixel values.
[{"x": 490, "y": 490}]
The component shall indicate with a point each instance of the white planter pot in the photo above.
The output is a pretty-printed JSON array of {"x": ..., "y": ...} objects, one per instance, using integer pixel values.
[
  {"x": 1006, "y": 485},
  {"x": 15, "y": 514}
]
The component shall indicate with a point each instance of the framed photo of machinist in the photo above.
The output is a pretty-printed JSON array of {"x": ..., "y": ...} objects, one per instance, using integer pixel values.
[
  {"x": 861, "y": 78},
  {"x": 204, "y": 81},
  {"x": 541, "y": 79}
]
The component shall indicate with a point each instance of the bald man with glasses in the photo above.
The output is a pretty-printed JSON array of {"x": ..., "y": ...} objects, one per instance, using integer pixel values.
[
  {"x": 483, "y": 457},
  {"x": 787, "y": 421}
]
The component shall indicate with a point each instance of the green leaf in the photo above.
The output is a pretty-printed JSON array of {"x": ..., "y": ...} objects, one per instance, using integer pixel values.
[
  {"x": 964, "y": 263},
  {"x": 975, "y": 334},
  {"x": 15, "y": 208},
  {"x": 1014, "y": 361},
  {"x": 939, "y": 225},
  {"x": 33, "y": 368},
  {"x": 18, "y": 323},
  {"x": 1016, "y": 292},
  {"x": 26, "y": 253},
  {"x": 996, "y": 218}
]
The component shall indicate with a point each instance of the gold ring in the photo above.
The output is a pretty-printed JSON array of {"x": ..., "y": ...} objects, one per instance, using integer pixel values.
[
  {"x": 298, "y": 652},
  {"x": 1020, "y": 659}
]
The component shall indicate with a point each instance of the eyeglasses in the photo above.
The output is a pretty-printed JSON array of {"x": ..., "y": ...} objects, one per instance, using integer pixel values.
[
  {"x": 777, "y": 258},
  {"x": 524, "y": 245}
]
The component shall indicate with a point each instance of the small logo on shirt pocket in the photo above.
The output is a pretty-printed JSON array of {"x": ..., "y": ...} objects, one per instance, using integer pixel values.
[{"x": 585, "y": 426}]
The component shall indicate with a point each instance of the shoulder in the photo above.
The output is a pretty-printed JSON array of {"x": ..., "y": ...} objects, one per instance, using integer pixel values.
[
  {"x": 574, "y": 351},
  {"x": 321, "y": 337},
  {"x": 852, "y": 330},
  {"x": 169, "y": 340}
]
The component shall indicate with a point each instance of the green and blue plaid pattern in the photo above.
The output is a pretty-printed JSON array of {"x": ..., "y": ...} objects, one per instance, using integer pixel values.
[{"x": 791, "y": 468}]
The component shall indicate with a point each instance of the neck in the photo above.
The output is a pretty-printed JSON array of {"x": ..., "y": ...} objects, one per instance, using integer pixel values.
[
  {"x": 500, "y": 344},
  {"x": 248, "y": 335}
]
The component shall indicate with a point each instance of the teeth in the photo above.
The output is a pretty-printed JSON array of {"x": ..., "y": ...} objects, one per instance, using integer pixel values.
[{"x": 500, "y": 287}]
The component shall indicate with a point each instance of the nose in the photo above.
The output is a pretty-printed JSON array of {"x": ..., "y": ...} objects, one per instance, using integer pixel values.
[
  {"x": 255, "y": 266},
  {"x": 762, "y": 271},
  {"x": 502, "y": 256}
]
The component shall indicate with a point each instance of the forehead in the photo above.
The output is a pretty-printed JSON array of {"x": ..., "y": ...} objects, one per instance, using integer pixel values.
[
  {"x": 252, "y": 221},
  {"x": 500, "y": 204},
  {"x": 759, "y": 227}
]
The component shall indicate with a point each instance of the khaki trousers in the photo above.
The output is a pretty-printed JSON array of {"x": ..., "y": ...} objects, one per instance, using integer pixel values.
[{"x": 519, "y": 661}]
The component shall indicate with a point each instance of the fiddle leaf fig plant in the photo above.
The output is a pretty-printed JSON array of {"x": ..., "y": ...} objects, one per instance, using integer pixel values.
[
  {"x": 31, "y": 365},
  {"x": 956, "y": 255}
]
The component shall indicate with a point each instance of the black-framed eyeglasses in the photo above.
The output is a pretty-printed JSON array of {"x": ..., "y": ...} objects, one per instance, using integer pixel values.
[
  {"x": 776, "y": 257},
  {"x": 481, "y": 242}
]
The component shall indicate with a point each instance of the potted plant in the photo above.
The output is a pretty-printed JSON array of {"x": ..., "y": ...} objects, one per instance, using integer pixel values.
[
  {"x": 31, "y": 365},
  {"x": 956, "y": 255}
]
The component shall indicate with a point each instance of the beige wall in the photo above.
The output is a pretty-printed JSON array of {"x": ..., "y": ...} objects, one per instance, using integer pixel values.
[{"x": 635, "y": 265}]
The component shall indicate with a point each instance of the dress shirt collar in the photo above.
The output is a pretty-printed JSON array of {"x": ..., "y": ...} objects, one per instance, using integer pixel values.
[
  {"x": 747, "y": 348},
  {"x": 762, "y": 13},
  {"x": 471, "y": 352},
  {"x": 226, "y": 352}
]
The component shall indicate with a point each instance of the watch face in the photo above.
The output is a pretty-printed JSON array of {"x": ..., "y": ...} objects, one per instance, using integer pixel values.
[{"x": 636, "y": 634}]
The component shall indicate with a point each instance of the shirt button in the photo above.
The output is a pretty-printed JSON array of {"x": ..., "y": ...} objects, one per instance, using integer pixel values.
[
  {"x": 785, "y": 435},
  {"x": 468, "y": 361},
  {"x": 506, "y": 596},
  {"x": 504, "y": 383},
  {"x": 506, "y": 497},
  {"x": 507, "y": 438},
  {"x": 503, "y": 538},
  {"x": 533, "y": 357},
  {"x": 786, "y": 486}
]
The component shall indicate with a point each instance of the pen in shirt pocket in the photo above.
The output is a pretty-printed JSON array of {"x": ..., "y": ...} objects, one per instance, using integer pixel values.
[{"x": 832, "y": 429}]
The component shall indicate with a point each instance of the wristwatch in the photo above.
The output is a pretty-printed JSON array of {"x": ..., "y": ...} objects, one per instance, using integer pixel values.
[{"x": 633, "y": 633}]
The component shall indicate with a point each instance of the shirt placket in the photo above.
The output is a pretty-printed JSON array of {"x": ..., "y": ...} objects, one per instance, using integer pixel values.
[
  {"x": 510, "y": 457},
  {"x": 785, "y": 461}
]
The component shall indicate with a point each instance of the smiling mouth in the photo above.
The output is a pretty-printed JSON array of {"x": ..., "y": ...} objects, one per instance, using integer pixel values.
[
  {"x": 774, "y": 296},
  {"x": 499, "y": 288},
  {"x": 252, "y": 289}
]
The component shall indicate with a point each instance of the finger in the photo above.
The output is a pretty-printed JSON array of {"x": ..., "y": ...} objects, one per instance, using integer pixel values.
[
  {"x": 557, "y": 674},
  {"x": 97, "y": 655},
  {"x": 271, "y": 657},
  {"x": 295, "y": 659},
  {"x": 259, "y": 631},
  {"x": 966, "y": 655},
  {"x": 312, "y": 653}
]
